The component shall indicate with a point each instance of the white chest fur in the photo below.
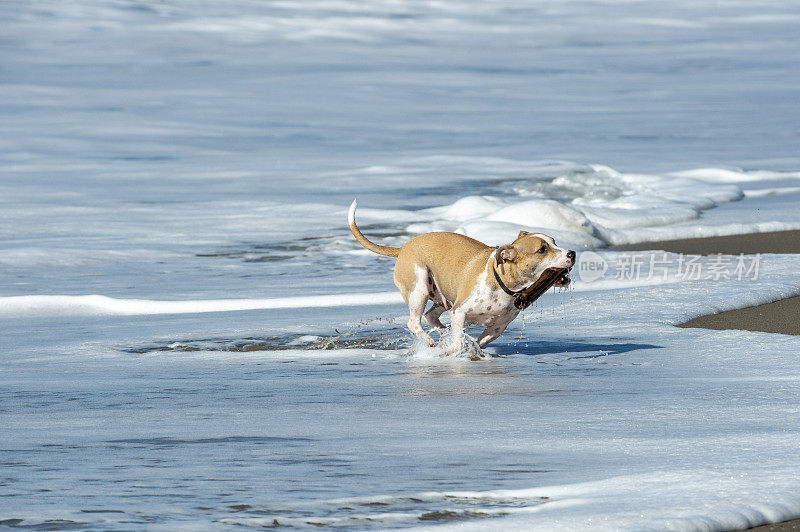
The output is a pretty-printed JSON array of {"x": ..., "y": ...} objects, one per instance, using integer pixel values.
[{"x": 486, "y": 305}]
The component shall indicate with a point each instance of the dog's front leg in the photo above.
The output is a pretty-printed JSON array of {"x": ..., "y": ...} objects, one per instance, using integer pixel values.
[
  {"x": 492, "y": 332},
  {"x": 458, "y": 319}
]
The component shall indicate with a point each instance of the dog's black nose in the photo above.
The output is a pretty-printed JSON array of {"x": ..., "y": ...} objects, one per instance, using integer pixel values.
[{"x": 571, "y": 255}]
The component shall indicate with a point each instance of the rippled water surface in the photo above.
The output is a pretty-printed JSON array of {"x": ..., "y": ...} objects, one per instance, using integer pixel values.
[{"x": 241, "y": 362}]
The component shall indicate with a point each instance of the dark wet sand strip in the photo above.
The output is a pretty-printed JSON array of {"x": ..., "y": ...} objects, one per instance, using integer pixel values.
[
  {"x": 786, "y": 526},
  {"x": 781, "y": 317},
  {"x": 777, "y": 242}
]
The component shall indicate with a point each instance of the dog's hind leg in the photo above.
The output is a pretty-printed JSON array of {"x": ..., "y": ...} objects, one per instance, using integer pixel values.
[
  {"x": 440, "y": 303},
  {"x": 432, "y": 316},
  {"x": 417, "y": 300}
]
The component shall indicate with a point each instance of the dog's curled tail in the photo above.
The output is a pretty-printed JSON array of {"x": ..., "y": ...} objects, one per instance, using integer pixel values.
[{"x": 375, "y": 248}]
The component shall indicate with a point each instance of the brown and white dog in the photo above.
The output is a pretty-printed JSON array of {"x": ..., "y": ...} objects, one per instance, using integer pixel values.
[{"x": 476, "y": 283}]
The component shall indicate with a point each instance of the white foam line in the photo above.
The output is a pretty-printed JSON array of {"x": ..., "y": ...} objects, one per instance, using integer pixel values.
[
  {"x": 33, "y": 306},
  {"x": 97, "y": 305},
  {"x": 760, "y": 193}
]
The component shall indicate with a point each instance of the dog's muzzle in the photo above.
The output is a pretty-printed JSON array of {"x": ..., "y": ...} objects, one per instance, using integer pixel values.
[{"x": 563, "y": 279}]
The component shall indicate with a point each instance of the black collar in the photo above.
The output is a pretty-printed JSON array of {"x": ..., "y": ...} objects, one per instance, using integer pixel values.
[
  {"x": 502, "y": 285},
  {"x": 506, "y": 289},
  {"x": 523, "y": 298}
]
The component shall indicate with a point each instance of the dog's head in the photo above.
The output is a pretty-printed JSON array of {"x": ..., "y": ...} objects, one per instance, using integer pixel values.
[{"x": 530, "y": 255}]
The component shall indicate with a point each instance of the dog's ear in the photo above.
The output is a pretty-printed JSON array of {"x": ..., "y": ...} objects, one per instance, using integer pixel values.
[
  {"x": 505, "y": 254},
  {"x": 522, "y": 233}
]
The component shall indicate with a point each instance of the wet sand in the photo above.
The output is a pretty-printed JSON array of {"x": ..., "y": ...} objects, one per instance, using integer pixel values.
[
  {"x": 786, "y": 526},
  {"x": 781, "y": 316},
  {"x": 777, "y": 242}
]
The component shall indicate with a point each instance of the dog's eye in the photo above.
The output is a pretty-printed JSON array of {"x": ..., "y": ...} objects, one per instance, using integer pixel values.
[{"x": 542, "y": 249}]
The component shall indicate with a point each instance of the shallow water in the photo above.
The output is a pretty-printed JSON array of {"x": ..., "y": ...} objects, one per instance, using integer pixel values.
[{"x": 192, "y": 339}]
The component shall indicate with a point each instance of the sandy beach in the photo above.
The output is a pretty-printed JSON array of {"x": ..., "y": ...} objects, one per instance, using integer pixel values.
[
  {"x": 778, "y": 317},
  {"x": 781, "y": 316},
  {"x": 779, "y": 527},
  {"x": 775, "y": 242}
]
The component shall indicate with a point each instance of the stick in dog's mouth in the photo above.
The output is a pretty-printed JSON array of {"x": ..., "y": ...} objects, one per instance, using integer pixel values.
[{"x": 550, "y": 277}]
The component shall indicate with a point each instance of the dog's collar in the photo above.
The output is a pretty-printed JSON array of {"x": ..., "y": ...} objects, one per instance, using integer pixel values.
[
  {"x": 502, "y": 285},
  {"x": 524, "y": 297}
]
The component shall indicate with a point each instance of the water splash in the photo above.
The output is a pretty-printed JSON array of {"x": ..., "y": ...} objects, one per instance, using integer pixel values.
[{"x": 443, "y": 348}]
